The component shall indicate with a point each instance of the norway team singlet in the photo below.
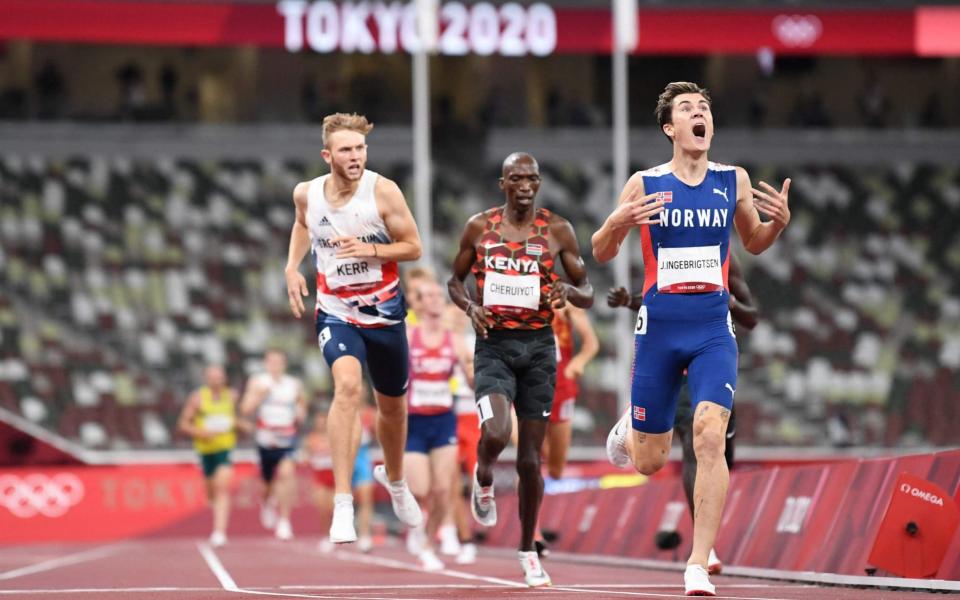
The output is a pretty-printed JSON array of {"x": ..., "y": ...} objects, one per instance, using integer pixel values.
[
  {"x": 685, "y": 322},
  {"x": 514, "y": 278},
  {"x": 687, "y": 256},
  {"x": 430, "y": 372},
  {"x": 361, "y": 291}
]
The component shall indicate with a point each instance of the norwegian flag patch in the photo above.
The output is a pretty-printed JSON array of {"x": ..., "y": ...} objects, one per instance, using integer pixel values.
[
  {"x": 534, "y": 249},
  {"x": 639, "y": 413},
  {"x": 665, "y": 196}
]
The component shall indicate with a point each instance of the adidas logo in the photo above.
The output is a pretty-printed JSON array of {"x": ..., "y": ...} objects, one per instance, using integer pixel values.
[{"x": 324, "y": 221}]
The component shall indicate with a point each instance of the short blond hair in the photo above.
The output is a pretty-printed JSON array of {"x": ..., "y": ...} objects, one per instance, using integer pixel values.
[{"x": 341, "y": 121}]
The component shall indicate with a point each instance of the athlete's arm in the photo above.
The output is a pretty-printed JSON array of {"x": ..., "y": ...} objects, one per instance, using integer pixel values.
[
  {"x": 405, "y": 239},
  {"x": 580, "y": 293},
  {"x": 464, "y": 356},
  {"x": 253, "y": 396},
  {"x": 619, "y": 296},
  {"x": 188, "y": 414},
  {"x": 301, "y": 408},
  {"x": 633, "y": 209},
  {"x": 462, "y": 262},
  {"x": 299, "y": 245},
  {"x": 589, "y": 345},
  {"x": 756, "y": 235},
  {"x": 742, "y": 307}
]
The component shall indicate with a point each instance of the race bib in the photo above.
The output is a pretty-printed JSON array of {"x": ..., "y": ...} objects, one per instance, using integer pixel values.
[
  {"x": 514, "y": 291},
  {"x": 432, "y": 394},
  {"x": 349, "y": 272},
  {"x": 689, "y": 270},
  {"x": 277, "y": 416},
  {"x": 218, "y": 423}
]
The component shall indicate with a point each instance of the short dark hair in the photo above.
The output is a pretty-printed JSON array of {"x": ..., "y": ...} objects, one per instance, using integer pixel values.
[{"x": 664, "y": 110}]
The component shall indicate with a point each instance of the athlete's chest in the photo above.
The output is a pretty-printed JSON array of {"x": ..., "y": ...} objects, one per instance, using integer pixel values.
[{"x": 708, "y": 206}]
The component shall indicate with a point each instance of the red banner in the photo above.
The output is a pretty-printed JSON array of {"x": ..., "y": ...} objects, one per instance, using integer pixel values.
[{"x": 478, "y": 27}]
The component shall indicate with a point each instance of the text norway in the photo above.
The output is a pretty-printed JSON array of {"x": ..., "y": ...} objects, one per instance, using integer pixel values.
[
  {"x": 916, "y": 492},
  {"x": 689, "y": 217}
]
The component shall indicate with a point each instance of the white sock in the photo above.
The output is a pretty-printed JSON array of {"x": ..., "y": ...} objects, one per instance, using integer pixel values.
[{"x": 343, "y": 499}]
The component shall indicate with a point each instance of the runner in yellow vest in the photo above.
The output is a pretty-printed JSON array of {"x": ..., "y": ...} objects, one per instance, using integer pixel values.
[{"x": 209, "y": 417}]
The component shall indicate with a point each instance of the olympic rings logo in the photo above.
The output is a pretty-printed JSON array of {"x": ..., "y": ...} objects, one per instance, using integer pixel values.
[
  {"x": 38, "y": 494},
  {"x": 797, "y": 31}
]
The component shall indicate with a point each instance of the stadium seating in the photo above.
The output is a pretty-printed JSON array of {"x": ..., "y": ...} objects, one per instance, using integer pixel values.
[{"x": 121, "y": 279}]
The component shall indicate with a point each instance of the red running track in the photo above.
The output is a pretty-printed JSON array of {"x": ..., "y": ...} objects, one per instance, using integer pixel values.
[{"x": 188, "y": 569}]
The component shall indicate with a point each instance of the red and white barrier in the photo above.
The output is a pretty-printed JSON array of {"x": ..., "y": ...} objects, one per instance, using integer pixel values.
[{"x": 823, "y": 518}]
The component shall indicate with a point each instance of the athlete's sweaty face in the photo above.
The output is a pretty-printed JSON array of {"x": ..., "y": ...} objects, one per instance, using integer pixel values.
[
  {"x": 214, "y": 376},
  {"x": 692, "y": 125},
  {"x": 520, "y": 182},
  {"x": 432, "y": 299},
  {"x": 275, "y": 363},
  {"x": 346, "y": 153}
]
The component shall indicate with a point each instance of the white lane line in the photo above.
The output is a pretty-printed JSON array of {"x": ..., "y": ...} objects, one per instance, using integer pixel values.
[
  {"x": 223, "y": 576},
  {"x": 62, "y": 561},
  {"x": 219, "y": 571},
  {"x": 130, "y": 590},
  {"x": 396, "y": 564}
]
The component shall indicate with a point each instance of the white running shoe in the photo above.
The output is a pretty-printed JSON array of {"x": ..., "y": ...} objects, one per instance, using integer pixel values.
[
  {"x": 404, "y": 504},
  {"x": 325, "y": 546},
  {"x": 416, "y": 540},
  {"x": 429, "y": 561},
  {"x": 449, "y": 544},
  {"x": 697, "y": 583},
  {"x": 341, "y": 528},
  {"x": 533, "y": 572},
  {"x": 468, "y": 554},
  {"x": 218, "y": 539},
  {"x": 268, "y": 515},
  {"x": 284, "y": 530},
  {"x": 482, "y": 503},
  {"x": 365, "y": 544},
  {"x": 714, "y": 564},
  {"x": 617, "y": 442}
]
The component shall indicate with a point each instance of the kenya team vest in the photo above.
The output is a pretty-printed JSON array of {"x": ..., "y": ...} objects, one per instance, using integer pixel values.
[{"x": 514, "y": 278}]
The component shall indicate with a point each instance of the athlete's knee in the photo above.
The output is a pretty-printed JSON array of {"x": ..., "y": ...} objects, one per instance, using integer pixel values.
[
  {"x": 708, "y": 445},
  {"x": 394, "y": 409},
  {"x": 528, "y": 464},
  {"x": 495, "y": 434},
  {"x": 648, "y": 465},
  {"x": 347, "y": 389}
]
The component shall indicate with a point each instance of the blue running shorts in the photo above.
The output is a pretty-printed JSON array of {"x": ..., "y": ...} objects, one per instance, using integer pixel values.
[{"x": 383, "y": 350}]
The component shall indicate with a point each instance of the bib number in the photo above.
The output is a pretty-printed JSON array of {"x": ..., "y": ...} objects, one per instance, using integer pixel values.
[
  {"x": 641, "y": 328},
  {"x": 279, "y": 417},
  {"x": 349, "y": 272},
  {"x": 511, "y": 291},
  {"x": 432, "y": 394},
  {"x": 689, "y": 270},
  {"x": 218, "y": 423}
]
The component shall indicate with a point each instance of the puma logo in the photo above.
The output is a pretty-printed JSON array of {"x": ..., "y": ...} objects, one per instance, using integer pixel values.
[
  {"x": 730, "y": 387},
  {"x": 723, "y": 193}
]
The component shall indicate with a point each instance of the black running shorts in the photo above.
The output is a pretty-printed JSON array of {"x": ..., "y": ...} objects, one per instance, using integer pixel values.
[{"x": 521, "y": 365}]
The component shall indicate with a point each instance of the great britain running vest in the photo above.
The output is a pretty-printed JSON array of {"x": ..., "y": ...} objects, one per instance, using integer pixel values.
[
  {"x": 277, "y": 415},
  {"x": 430, "y": 373},
  {"x": 361, "y": 291},
  {"x": 514, "y": 278},
  {"x": 686, "y": 256}
]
